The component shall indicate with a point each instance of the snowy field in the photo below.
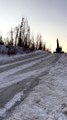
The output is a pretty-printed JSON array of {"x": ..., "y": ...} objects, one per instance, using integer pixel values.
[{"x": 48, "y": 99}]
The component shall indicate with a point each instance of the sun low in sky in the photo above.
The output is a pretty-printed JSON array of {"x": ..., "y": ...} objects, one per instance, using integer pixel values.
[{"x": 48, "y": 17}]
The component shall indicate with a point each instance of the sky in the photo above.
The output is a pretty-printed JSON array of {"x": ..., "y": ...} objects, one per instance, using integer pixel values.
[{"x": 47, "y": 17}]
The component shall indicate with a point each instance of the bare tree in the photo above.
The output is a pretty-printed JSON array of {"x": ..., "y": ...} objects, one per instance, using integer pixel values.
[
  {"x": 38, "y": 41},
  {"x": 32, "y": 43},
  {"x": 11, "y": 37},
  {"x": 19, "y": 39},
  {"x": 17, "y": 35},
  {"x": 40, "y": 45},
  {"x": 1, "y": 41},
  {"x": 44, "y": 47}
]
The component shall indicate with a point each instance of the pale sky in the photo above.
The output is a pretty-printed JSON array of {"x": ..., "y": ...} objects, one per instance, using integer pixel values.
[{"x": 48, "y": 17}]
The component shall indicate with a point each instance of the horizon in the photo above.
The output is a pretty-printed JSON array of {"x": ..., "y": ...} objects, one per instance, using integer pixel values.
[{"x": 44, "y": 16}]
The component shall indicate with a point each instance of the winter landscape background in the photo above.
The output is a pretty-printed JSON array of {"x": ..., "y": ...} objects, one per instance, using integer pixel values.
[{"x": 33, "y": 59}]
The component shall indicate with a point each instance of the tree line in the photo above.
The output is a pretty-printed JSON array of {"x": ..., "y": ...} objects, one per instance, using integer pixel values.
[{"x": 20, "y": 38}]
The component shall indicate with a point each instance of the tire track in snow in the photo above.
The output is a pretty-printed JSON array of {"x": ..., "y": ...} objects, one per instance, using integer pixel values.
[
  {"x": 16, "y": 58},
  {"x": 42, "y": 64},
  {"x": 19, "y": 63},
  {"x": 8, "y": 76}
]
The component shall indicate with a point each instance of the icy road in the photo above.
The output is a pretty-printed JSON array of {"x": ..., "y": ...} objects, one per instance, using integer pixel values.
[{"x": 19, "y": 75}]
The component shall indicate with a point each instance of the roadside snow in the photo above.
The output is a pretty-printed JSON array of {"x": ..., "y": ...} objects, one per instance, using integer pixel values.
[
  {"x": 6, "y": 58},
  {"x": 27, "y": 60},
  {"x": 11, "y": 103},
  {"x": 48, "y": 100}
]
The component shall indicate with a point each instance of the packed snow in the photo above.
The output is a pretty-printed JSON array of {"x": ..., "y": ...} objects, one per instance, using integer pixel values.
[
  {"x": 9, "y": 105},
  {"x": 48, "y": 100},
  {"x": 8, "y": 78}
]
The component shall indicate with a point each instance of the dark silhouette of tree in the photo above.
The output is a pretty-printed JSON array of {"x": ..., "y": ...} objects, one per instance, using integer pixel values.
[
  {"x": 29, "y": 43},
  {"x": 39, "y": 42},
  {"x": 40, "y": 45},
  {"x": 16, "y": 36},
  {"x": 24, "y": 34},
  {"x": 32, "y": 43},
  {"x": 19, "y": 40},
  {"x": 33, "y": 46},
  {"x": 25, "y": 43},
  {"x": 11, "y": 39},
  {"x": 28, "y": 37},
  {"x": 44, "y": 47},
  {"x": 1, "y": 41}
]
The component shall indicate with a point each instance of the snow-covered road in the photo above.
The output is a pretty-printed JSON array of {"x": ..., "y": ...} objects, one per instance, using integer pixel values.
[{"x": 19, "y": 75}]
